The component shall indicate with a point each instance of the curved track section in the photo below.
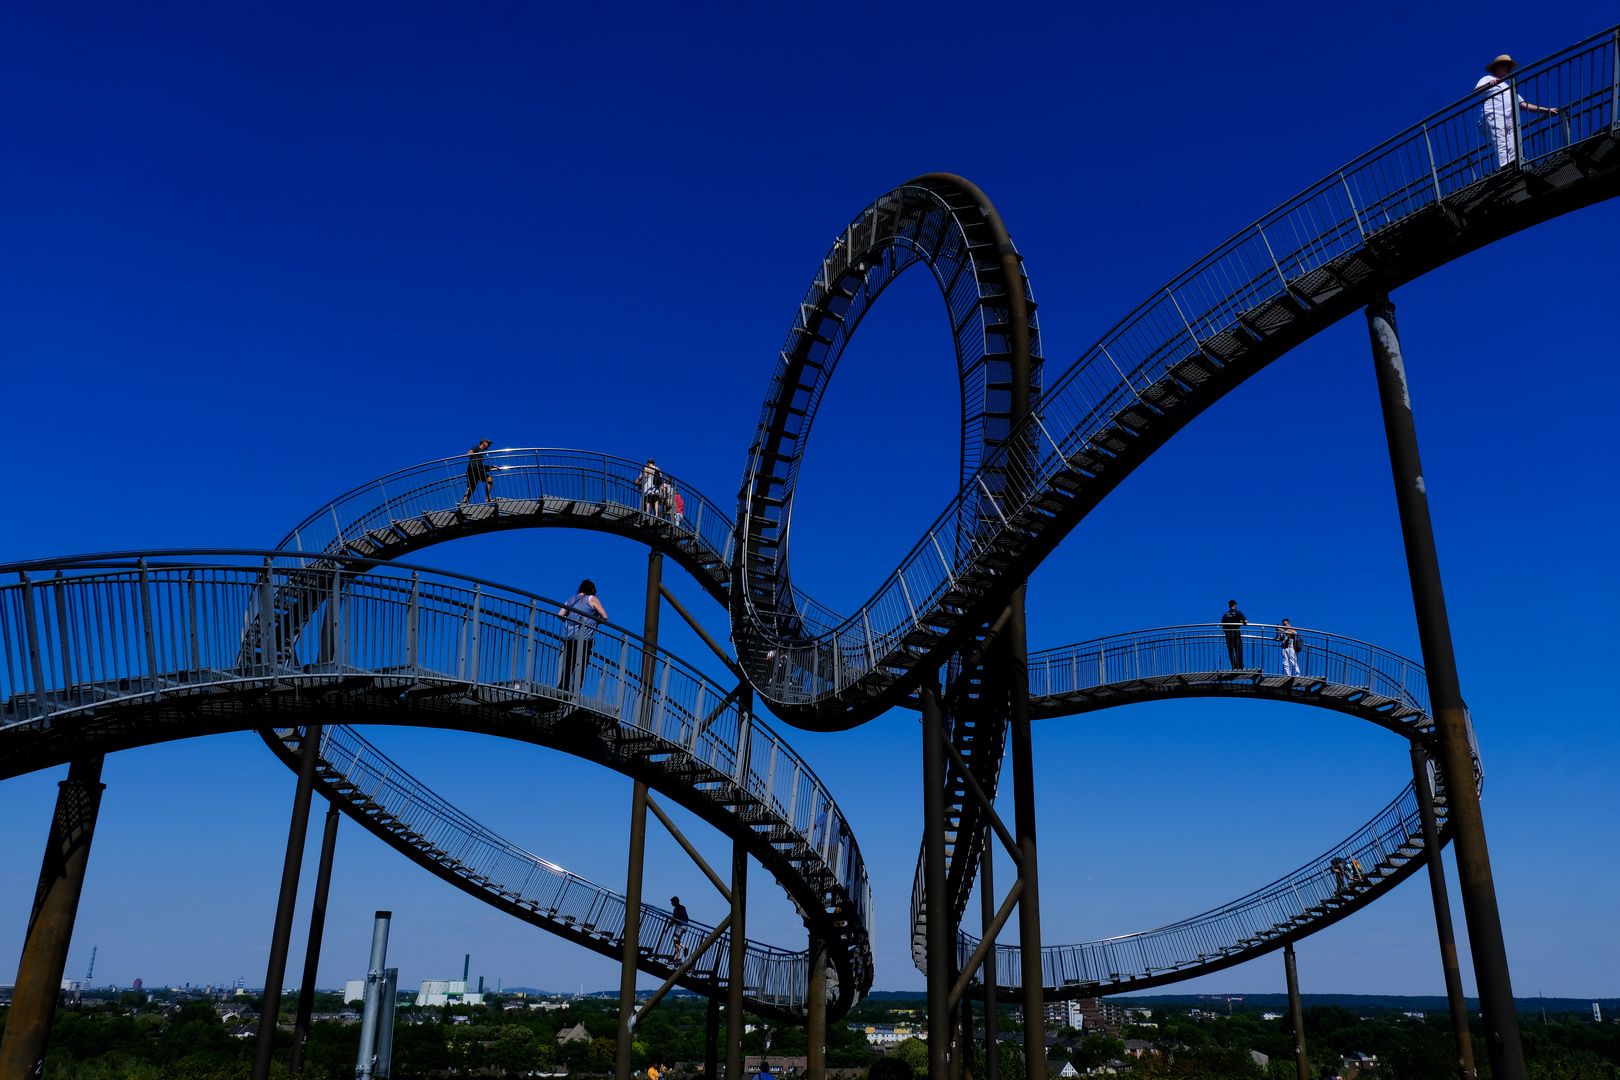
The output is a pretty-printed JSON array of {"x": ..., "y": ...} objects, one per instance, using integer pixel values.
[
  {"x": 1426, "y": 197},
  {"x": 414, "y": 508},
  {"x": 112, "y": 652},
  {"x": 404, "y": 813},
  {"x": 948, "y": 225},
  {"x": 1338, "y": 673}
]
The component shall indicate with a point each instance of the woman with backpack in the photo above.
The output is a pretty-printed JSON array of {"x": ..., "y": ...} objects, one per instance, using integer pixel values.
[
  {"x": 650, "y": 481},
  {"x": 580, "y": 614}
]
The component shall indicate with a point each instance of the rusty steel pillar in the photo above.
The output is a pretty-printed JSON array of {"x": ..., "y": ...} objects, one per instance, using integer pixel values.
[
  {"x": 1296, "y": 1013},
  {"x": 711, "y": 1038},
  {"x": 276, "y": 971},
  {"x": 1023, "y": 769},
  {"x": 937, "y": 916},
  {"x": 737, "y": 968},
  {"x": 816, "y": 1027},
  {"x": 50, "y": 925},
  {"x": 987, "y": 915},
  {"x": 1455, "y": 1001},
  {"x": 317, "y": 928},
  {"x": 1445, "y": 697},
  {"x": 630, "y": 953}
]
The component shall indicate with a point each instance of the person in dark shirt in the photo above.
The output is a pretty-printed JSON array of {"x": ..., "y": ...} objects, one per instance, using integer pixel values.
[
  {"x": 1234, "y": 637},
  {"x": 479, "y": 473},
  {"x": 679, "y": 928}
]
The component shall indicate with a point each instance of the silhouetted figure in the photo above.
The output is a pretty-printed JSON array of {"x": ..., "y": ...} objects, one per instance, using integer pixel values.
[
  {"x": 479, "y": 472},
  {"x": 1232, "y": 620},
  {"x": 678, "y": 926}
]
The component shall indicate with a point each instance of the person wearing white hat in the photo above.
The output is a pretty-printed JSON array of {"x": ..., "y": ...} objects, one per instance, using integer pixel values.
[{"x": 1496, "y": 119}]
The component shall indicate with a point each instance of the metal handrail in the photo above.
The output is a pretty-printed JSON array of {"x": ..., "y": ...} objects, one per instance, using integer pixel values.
[
  {"x": 1371, "y": 858},
  {"x": 1119, "y": 668},
  {"x": 82, "y": 634},
  {"x": 520, "y": 476},
  {"x": 361, "y": 776},
  {"x": 1279, "y": 259},
  {"x": 1202, "y": 647}
]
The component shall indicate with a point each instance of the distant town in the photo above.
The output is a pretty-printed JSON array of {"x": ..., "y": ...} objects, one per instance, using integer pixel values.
[{"x": 460, "y": 1026}]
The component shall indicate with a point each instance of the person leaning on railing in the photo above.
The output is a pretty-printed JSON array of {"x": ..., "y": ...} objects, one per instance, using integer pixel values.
[
  {"x": 1496, "y": 119},
  {"x": 1231, "y": 624},
  {"x": 582, "y": 612}
]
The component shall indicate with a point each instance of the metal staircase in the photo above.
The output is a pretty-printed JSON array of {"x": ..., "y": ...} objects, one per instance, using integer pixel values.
[{"x": 408, "y": 816}]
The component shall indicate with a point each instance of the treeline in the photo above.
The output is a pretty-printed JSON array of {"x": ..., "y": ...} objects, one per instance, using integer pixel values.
[{"x": 135, "y": 1040}]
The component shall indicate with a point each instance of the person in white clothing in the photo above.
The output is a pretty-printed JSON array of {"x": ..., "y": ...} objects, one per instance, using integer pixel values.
[
  {"x": 1288, "y": 638},
  {"x": 1496, "y": 118}
]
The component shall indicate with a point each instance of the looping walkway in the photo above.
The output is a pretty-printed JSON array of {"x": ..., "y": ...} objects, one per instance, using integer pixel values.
[{"x": 107, "y": 653}]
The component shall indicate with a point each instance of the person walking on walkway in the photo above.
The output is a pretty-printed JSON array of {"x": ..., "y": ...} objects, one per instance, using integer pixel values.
[
  {"x": 649, "y": 482},
  {"x": 580, "y": 614},
  {"x": 1288, "y": 638},
  {"x": 678, "y": 926},
  {"x": 1231, "y": 621},
  {"x": 479, "y": 472},
  {"x": 1496, "y": 118},
  {"x": 678, "y": 513}
]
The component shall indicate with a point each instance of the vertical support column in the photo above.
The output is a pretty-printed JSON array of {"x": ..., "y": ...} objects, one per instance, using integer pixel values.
[
  {"x": 937, "y": 914},
  {"x": 1023, "y": 769},
  {"x": 630, "y": 957},
  {"x": 50, "y": 926},
  {"x": 816, "y": 1029},
  {"x": 736, "y": 972},
  {"x": 1445, "y": 695},
  {"x": 276, "y": 971},
  {"x": 711, "y": 1038},
  {"x": 1296, "y": 1013},
  {"x": 376, "y": 987},
  {"x": 317, "y": 928},
  {"x": 1442, "y": 914},
  {"x": 987, "y": 915}
]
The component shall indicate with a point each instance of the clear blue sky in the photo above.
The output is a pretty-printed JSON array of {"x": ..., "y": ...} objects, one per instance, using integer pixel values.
[{"x": 255, "y": 255}]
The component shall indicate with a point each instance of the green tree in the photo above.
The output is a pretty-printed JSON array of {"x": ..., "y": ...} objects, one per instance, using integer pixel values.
[{"x": 914, "y": 1052}]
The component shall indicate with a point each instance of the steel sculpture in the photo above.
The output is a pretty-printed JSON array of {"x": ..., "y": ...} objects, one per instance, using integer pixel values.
[{"x": 115, "y": 652}]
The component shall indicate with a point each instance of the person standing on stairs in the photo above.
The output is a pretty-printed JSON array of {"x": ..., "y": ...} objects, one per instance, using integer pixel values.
[
  {"x": 1288, "y": 638},
  {"x": 1231, "y": 621},
  {"x": 582, "y": 612},
  {"x": 678, "y": 926},
  {"x": 1496, "y": 119},
  {"x": 478, "y": 472}
]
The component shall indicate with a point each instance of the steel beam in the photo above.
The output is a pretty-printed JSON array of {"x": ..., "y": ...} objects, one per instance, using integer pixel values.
[
  {"x": 937, "y": 916},
  {"x": 816, "y": 1026},
  {"x": 50, "y": 925},
  {"x": 987, "y": 916},
  {"x": 1445, "y": 694},
  {"x": 711, "y": 1037},
  {"x": 1023, "y": 769},
  {"x": 1442, "y": 914},
  {"x": 1296, "y": 1013},
  {"x": 737, "y": 968},
  {"x": 276, "y": 971},
  {"x": 317, "y": 927},
  {"x": 630, "y": 956}
]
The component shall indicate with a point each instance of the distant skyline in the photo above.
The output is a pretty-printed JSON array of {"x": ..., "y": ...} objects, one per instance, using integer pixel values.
[{"x": 258, "y": 255}]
